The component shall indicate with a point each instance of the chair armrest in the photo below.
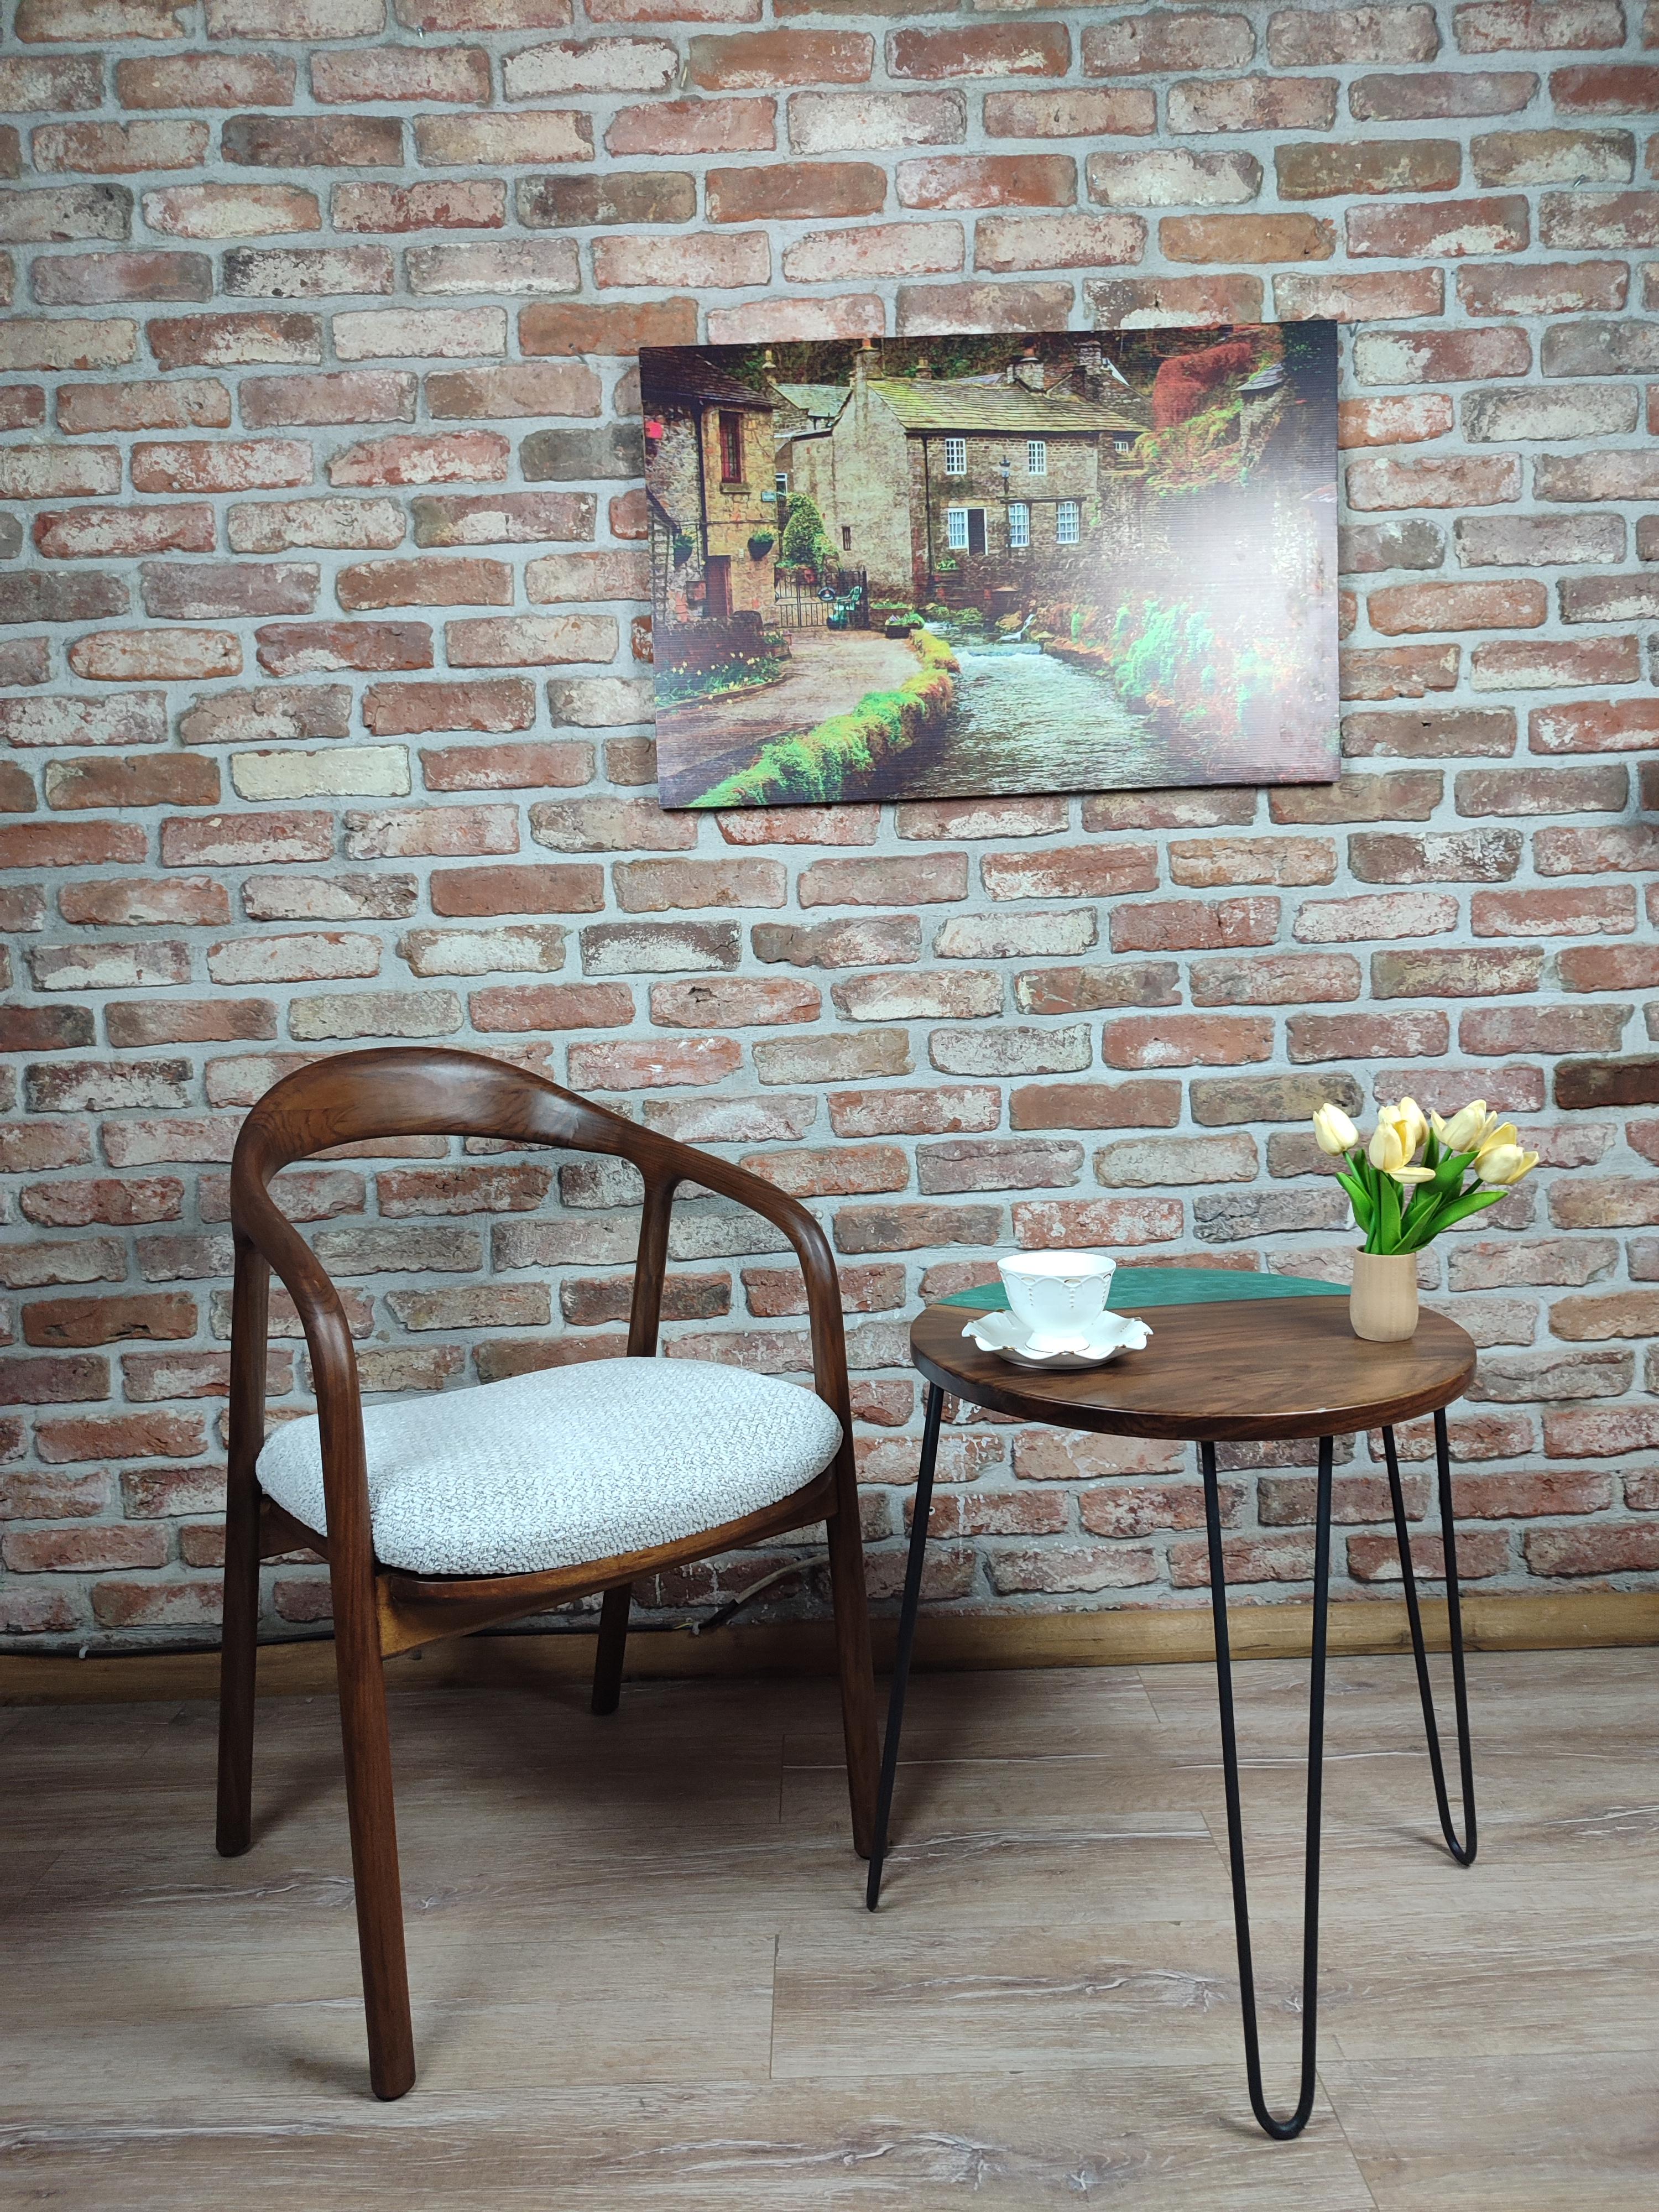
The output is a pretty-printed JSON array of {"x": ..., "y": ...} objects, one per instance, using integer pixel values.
[
  {"x": 259, "y": 1222},
  {"x": 675, "y": 1164}
]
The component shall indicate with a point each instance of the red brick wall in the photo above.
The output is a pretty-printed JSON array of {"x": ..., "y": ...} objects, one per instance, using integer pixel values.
[{"x": 324, "y": 723}]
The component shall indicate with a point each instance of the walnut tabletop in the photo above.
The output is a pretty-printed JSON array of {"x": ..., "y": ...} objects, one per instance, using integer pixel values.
[{"x": 1249, "y": 1368}]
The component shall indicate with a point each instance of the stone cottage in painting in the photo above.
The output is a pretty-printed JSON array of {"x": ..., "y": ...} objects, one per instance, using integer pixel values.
[
  {"x": 1003, "y": 478},
  {"x": 712, "y": 502}
]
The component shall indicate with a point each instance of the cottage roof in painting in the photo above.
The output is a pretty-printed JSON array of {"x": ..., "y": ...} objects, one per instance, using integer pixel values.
[
  {"x": 684, "y": 372},
  {"x": 923, "y": 403},
  {"x": 822, "y": 401}
]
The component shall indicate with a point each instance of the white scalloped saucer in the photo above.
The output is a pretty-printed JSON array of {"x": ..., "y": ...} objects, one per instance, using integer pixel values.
[{"x": 1106, "y": 1336}]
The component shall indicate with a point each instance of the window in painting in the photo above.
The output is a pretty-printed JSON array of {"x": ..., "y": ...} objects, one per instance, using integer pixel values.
[
  {"x": 1068, "y": 518},
  {"x": 1019, "y": 525},
  {"x": 956, "y": 458},
  {"x": 1037, "y": 457},
  {"x": 731, "y": 447}
]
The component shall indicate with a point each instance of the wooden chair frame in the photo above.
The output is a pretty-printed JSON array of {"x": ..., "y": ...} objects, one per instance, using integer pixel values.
[{"x": 380, "y": 1610}]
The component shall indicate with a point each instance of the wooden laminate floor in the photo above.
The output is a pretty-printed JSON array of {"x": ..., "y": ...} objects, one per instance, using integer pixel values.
[{"x": 644, "y": 1977}]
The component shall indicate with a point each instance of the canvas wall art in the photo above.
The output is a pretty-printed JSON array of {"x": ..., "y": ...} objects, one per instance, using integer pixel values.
[{"x": 968, "y": 567}]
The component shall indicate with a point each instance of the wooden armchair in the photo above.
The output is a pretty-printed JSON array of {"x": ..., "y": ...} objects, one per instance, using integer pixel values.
[{"x": 500, "y": 1501}]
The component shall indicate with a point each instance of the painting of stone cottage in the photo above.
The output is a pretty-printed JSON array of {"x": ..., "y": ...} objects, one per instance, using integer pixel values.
[{"x": 975, "y": 565}]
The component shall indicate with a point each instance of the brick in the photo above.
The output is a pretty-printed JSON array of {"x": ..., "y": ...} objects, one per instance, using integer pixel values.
[
  {"x": 805, "y": 825},
  {"x": 134, "y": 780},
  {"x": 910, "y": 1228},
  {"x": 1439, "y": 229},
  {"x": 222, "y": 591},
  {"x": 173, "y": 1021},
  {"x": 1275, "y": 979},
  {"x": 1558, "y": 288},
  {"x": 1616, "y": 1313},
  {"x": 1247, "y": 238},
  {"x": 337, "y": 396},
  {"x": 657, "y": 948},
  {"x": 981, "y": 50},
  {"x": 660, "y": 886},
  {"x": 1426, "y": 94},
  {"x": 1537, "y": 540},
  {"x": 1486, "y": 26},
  {"x": 1397, "y": 795},
  {"x": 874, "y": 122},
  {"x": 1251, "y": 103},
  {"x": 981, "y": 181},
  {"x": 1376, "y": 482},
  {"x": 613, "y": 329},
  {"x": 1593, "y": 726},
  {"x": 1185, "y": 1041},
  {"x": 498, "y": 703},
  {"x": 314, "y": 141},
  {"x": 227, "y": 340},
  {"x": 521, "y": 946},
  {"x": 830, "y": 1059},
  {"x": 1441, "y": 356},
  {"x": 1192, "y": 925},
  {"x": 522, "y": 517},
  {"x": 231, "y": 210},
  {"x": 32, "y": 596},
  {"x": 380, "y": 898},
  {"x": 477, "y": 203},
  {"x": 91, "y": 280},
  {"x": 1586, "y": 910},
  {"x": 1316, "y": 1037},
  {"x": 1087, "y": 872},
  {"x": 247, "y": 839},
  {"x": 118, "y": 149},
  {"x": 790, "y": 191},
  {"x": 1543, "y": 666},
  {"x": 1089, "y": 989},
  {"x": 1153, "y": 302},
  {"x": 159, "y": 1316},
  {"x": 694, "y": 126},
  {"x": 1300, "y": 38},
  {"x": 1393, "y": 422},
  {"x": 518, "y": 388},
  {"x": 1606, "y": 88},
  {"x": 290, "y": 648},
  {"x": 522, "y": 888},
  {"x": 1599, "y": 1552},
  {"x": 613, "y": 451},
  {"x": 736, "y": 1003},
  {"x": 84, "y": 533},
  {"x": 1224, "y": 1101},
  {"x": 1319, "y": 170},
  {"x": 154, "y": 655},
  {"x": 1157, "y": 1162},
  {"x": 1402, "y": 608},
  {"x": 1063, "y": 241},
  {"x": 432, "y": 333},
  {"x": 1361, "y": 296},
  {"x": 1542, "y": 791},
  {"x": 1526, "y": 412},
  {"x": 1041, "y": 1224},
  {"x": 1431, "y": 733},
  {"x": 879, "y": 249},
  {"x": 1609, "y": 599},
  {"x": 191, "y": 899},
  {"x": 654, "y": 1065},
  {"x": 506, "y": 768},
  {"x": 401, "y": 73},
  {"x": 1204, "y": 863},
  {"x": 1119, "y": 112}
]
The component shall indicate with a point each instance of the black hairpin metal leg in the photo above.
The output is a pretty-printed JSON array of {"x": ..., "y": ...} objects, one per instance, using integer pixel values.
[
  {"x": 906, "y": 1636},
  {"x": 1282, "y": 2131},
  {"x": 1462, "y": 1852}
]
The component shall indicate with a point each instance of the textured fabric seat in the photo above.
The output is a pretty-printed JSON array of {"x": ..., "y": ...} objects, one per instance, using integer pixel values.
[{"x": 568, "y": 1465}]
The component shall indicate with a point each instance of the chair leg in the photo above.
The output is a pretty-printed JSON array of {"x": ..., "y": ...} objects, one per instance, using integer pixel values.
[
  {"x": 613, "y": 1643},
  {"x": 238, "y": 1661},
  {"x": 374, "y": 1862},
  {"x": 855, "y": 1665}
]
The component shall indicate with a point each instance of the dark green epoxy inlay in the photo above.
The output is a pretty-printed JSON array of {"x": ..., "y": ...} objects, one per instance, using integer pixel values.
[{"x": 1136, "y": 1288}]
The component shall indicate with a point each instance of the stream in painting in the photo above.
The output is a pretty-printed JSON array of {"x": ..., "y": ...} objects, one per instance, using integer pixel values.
[{"x": 1025, "y": 720}]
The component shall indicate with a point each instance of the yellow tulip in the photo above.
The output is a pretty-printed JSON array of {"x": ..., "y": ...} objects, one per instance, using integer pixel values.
[
  {"x": 1500, "y": 1165},
  {"x": 1496, "y": 1132},
  {"x": 1386, "y": 1150},
  {"x": 1466, "y": 1130},
  {"x": 1334, "y": 1133},
  {"x": 1413, "y": 1129}
]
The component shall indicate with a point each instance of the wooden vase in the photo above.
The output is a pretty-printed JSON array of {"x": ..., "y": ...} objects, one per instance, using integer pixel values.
[{"x": 1382, "y": 1304}]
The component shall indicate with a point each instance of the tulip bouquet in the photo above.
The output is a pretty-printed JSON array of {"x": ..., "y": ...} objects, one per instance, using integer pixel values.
[{"x": 1401, "y": 1202}]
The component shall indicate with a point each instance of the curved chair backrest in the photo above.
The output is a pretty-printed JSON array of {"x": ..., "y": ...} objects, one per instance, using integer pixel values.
[{"x": 433, "y": 1090}]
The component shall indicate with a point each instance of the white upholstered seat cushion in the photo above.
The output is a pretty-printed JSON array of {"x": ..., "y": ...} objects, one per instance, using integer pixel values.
[{"x": 567, "y": 1465}]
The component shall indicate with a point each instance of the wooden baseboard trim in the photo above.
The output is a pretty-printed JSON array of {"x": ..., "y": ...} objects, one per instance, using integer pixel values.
[{"x": 1124, "y": 1636}]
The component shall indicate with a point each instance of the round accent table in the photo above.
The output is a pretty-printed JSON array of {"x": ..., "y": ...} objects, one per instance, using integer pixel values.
[{"x": 1233, "y": 1359}]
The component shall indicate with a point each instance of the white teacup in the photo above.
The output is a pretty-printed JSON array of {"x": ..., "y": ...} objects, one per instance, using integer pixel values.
[{"x": 1057, "y": 1296}]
